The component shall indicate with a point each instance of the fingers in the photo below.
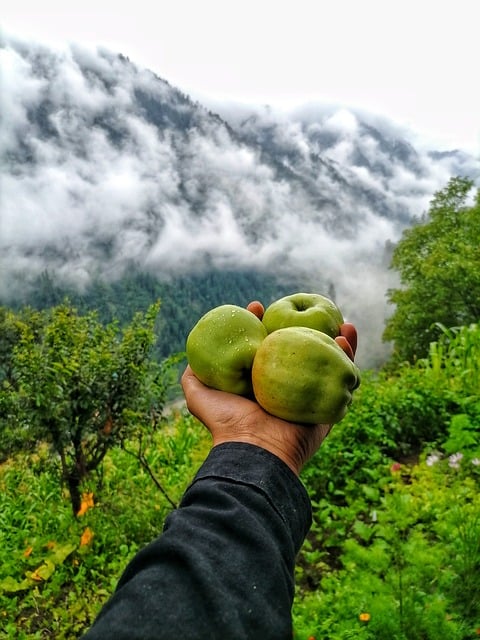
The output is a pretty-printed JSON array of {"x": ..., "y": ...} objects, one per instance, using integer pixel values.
[
  {"x": 348, "y": 331},
  {"x": 214, "y": 408},
  {"x": 345, "y": 345},
  {"x": 193, "y": 391},
  {"x": 189, "y": 379},
  {"x": 256, "y": 308}
]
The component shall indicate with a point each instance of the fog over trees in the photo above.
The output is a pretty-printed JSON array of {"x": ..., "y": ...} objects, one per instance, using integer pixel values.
[{"x": 110, "y": 170}]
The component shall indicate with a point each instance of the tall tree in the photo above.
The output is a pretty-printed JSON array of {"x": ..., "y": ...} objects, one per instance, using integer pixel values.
[
  {"x": 82, "y": 385},
  {"x": 438, "y": 261}
]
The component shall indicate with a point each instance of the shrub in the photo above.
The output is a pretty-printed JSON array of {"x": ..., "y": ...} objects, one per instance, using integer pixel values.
[{"x": 413, "y": 571}]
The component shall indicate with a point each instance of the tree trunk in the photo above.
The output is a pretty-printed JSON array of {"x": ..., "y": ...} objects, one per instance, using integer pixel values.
[
  {"x": 77, "y": 473},
  {"x": 73, "y": 479},
  {"x": 73, "y": 482}
]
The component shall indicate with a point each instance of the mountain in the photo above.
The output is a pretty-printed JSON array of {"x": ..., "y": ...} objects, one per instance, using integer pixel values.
[{"x": 108, "y": 167}]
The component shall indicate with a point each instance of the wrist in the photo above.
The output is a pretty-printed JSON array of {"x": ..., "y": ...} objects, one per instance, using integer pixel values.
[
  {"x": 293, "y": 462},
  {"x": 293, "y": 444},
  {"x": 255, "y": 466}
]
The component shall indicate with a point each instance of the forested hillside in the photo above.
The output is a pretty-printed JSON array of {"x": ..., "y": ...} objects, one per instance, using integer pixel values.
[
  {"x": 128, "y": 211},
  {"x": 393, "y": 550},
  {"x": 183, "y": 299},
  {"x": 107, "y": 165}
]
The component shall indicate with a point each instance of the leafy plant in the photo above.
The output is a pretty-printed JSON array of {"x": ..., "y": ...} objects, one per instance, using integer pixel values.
[
  {"x": 464, "y": 434},
  {"x": 438, "y": 262},
  {"x": 410, "y": 573},
  {"x": 453, "y": 360},
  {"x": 58, "y": 569},
  {"x": 80, "y": 384}
]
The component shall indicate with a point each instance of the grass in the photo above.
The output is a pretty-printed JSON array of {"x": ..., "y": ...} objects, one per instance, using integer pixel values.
[
  {"x": 394, "y": 550},
  {"x": 406, "y": 561},
  {"x": 408, "y": 568},
  {"x": 58, "y": 570}
]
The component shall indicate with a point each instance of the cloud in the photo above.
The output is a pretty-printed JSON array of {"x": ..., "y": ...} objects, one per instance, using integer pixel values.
[{"x": 93, "y": 184}]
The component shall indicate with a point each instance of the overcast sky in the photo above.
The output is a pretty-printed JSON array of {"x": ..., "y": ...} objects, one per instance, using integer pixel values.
[{"x": 414, "y": 61}]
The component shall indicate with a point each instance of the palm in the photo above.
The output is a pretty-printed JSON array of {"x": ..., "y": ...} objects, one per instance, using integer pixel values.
[{"x": 233, "y": 418}]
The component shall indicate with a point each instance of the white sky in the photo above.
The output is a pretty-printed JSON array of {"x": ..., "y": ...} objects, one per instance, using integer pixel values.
[{"x": 413, "y": 61}]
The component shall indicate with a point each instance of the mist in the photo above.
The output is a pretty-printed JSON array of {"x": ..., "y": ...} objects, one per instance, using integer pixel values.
[{"x": 93, "y": 182}]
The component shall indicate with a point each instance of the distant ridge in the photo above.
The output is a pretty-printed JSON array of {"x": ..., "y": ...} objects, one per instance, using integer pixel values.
[{"x": 107, "y": 165}]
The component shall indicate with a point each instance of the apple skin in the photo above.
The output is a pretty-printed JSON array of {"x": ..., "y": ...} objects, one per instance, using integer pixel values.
[
  {"x": 304, "y": 310},
  {"x": 302, "y": 375},
  {"x": 221, "y": 346}
]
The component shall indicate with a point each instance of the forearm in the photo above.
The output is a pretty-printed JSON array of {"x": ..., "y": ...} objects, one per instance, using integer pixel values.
[{"x": 224, "y": 565}]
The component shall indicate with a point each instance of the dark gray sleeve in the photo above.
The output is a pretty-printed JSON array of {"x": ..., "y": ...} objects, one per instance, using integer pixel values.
[{"x": 224, "y": 565}]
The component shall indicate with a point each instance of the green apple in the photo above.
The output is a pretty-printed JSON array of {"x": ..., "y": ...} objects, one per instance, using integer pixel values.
[
  {"x": 221, "y": 347},
  {"x": 302, "y": 375},
  {"x": 304, "y": 310}
]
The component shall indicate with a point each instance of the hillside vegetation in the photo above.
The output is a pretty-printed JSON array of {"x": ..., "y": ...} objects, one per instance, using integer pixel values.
[
  {"x": 118, "y": 190},
  {"x": 184, "y": 299},
  {"x": 394, "y": 550}
]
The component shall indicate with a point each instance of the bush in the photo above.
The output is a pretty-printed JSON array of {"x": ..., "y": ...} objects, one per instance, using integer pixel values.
[
  {"x": 413, "y": 571},
  {"x": 58, "y": 569}
]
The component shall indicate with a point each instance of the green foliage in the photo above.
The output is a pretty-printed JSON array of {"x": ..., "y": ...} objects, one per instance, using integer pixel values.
[
  {"x": 76, "y": 561},
  {"x": 412, "y": 570},
  {"x": 394, "y": 550},
  {"x": 392, "y": 416},
  {"x": 14, "y": 434},
  {"x": 438, "y": 261},
  {"x": 398, "y": 540},
  {"x": 464, "y": 433},
  {"x": 453, "y": 365},
  {"x": 185, "y": 298},
  {"x": 453, "y": 360},
  {"x": 81, "y": 385}
]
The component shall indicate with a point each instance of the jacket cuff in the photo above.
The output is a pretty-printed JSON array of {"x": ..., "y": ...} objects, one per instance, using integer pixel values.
[{"x": 251, "y": 465}]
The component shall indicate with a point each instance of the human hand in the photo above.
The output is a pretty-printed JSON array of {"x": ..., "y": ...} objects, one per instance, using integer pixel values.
[{"x": 234, "y": 418}]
